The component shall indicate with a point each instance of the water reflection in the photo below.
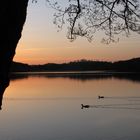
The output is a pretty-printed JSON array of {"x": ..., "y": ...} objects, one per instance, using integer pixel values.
[
  {"x": 16, "y": 76},
  {"x": 76, "y": 76},
  {"x": 82, "y": 76},
  {"x": 46, "y": 102},
  {"x": 2, "y": 89},
  {"x": 130, "y": 103},
  {"x": 131, "y": 106}
]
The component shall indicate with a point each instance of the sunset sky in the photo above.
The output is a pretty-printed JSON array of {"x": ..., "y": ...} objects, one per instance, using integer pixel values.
[{"x": 41, "y": 43}]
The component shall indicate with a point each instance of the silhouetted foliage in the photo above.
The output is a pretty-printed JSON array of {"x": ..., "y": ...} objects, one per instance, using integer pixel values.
[
  {"x": 132, "y": 65},
  {"x": 16, "y": 66},
  {"x": 128, "y": 65}
]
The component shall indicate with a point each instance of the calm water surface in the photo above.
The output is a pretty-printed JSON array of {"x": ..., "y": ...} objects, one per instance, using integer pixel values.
[{"x": 47, "y": 107}]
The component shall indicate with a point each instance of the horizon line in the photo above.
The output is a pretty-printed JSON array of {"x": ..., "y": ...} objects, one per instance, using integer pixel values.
[{"x": 80, "y": 61}]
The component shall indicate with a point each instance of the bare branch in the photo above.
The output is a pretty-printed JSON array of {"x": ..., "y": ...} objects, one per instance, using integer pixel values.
[{"x": 87, "y": 17}]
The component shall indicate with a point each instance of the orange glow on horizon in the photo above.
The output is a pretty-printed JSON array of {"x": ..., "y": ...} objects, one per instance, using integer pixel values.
[{"x": 72, "y": 52}]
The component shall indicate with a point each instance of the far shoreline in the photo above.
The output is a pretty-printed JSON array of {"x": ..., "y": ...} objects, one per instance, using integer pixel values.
[{"x": 76, "y": 72}]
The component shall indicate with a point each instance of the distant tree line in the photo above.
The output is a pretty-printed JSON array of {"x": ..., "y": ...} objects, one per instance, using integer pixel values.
[{"x": 132, "y": 65}]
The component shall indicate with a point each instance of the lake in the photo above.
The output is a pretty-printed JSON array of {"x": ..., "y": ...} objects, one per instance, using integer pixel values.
[{"x": 47, "y": 106}]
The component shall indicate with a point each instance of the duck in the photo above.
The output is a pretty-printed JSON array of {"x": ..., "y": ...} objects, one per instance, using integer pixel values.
[
  {"x": 100, "y": 97},
  {"x": 85, "y": 106}
]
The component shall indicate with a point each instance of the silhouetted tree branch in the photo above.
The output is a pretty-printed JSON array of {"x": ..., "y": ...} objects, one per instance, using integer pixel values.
[{"x": 86, "y": 17}]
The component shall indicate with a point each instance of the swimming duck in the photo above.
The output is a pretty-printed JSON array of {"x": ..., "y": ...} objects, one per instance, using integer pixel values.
[
  {"x": 84, "y": 106},
  {"x": 100, "y": 97}
]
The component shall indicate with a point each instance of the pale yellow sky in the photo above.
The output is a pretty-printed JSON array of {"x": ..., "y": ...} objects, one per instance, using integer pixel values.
[{"x": 41, "y": 43}]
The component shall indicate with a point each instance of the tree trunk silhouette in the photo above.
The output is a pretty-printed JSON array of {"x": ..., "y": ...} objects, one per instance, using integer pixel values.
[{"x": 12, "y": 18}]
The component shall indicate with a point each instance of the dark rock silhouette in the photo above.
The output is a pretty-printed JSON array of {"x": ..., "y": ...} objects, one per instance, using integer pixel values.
[{"x": 12, "y": 18}]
